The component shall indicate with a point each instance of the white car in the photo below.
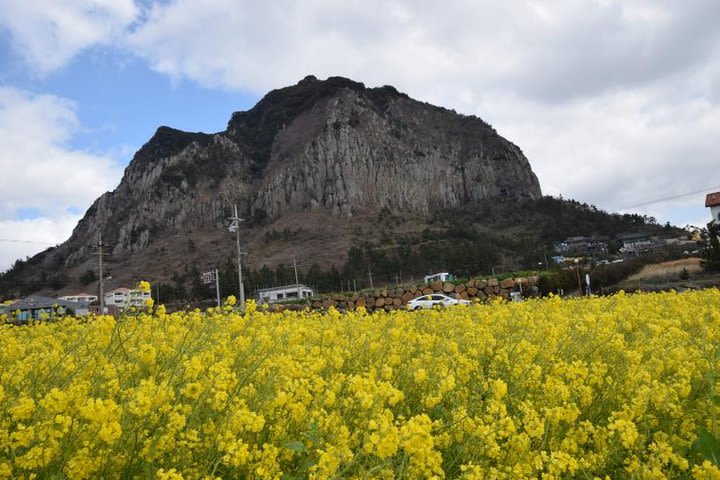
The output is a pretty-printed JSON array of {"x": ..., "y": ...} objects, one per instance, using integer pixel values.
[{"x": 429, "y": 301}]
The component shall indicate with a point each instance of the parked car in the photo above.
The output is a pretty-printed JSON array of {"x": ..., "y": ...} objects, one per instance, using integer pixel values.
[{"x": 429, "y": 301}]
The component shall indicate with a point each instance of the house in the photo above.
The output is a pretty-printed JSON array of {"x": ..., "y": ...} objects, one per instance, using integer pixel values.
[
  {"x": 581, "y": 245},
  {"x": 712, "y": 201},
  {"x": 80, "y": 297},
  {"x": 41, "y": 308},
  {"x": 126, "y": 297},
  {"x": 439, "y": 277},
  {"x": 286, "y": 292},
  {"x": 636, "y": 242}
]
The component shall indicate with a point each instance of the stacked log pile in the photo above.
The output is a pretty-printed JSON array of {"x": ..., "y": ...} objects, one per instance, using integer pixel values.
[{"x": 387, "y": 299}]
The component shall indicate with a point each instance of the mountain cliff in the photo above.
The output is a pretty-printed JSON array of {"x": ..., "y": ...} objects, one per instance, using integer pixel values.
[{"x": 334, "y": 151}]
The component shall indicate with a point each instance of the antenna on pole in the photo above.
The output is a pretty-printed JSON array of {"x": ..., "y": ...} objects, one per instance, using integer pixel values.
[
  {"x": 100, "y": 253},
  {"x": 235, "y": 228}
]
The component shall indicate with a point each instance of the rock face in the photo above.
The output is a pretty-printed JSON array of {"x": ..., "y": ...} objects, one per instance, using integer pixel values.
[{"x": 331, "y": 144}]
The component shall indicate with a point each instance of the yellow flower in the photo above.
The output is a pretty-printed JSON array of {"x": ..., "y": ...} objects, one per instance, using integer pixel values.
[
  {"x": 604, "y": 387},
  {"x": 23, "y": 409}
]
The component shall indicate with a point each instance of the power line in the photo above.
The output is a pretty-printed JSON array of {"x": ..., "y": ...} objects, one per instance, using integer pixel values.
[
  {"x": 673, "y": 197},
  {"x": 13, "y": 240}
]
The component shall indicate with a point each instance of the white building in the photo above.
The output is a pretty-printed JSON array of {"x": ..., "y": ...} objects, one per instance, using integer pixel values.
[
  {"x": 80, "y": 297},
  {"x": 286, "y": 292},
  {"x": 125, "y": 297},
  {"x": 713, "y": 202},
  {"x": 439, "y": 277}
]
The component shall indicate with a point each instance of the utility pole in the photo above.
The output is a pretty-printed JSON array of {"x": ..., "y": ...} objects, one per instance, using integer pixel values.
[
  {"x": 577, "y": 271},
  {"x": 370, "y": 276},
  {"x": 235, "y": 227},
  {"x": 100, "y": 253},
  {"x": 217, "y": 286},
  {"x": 297, "y": 283}
]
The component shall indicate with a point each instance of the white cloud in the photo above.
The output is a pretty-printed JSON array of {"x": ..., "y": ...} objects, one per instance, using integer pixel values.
[
  {"x": 37, "y": 235},
  {"x": 47, "y": 34},
  {"x": 619, "y": 149},
  {"x": 40, "y": 170},
  {"x": 556, "y": 51}
]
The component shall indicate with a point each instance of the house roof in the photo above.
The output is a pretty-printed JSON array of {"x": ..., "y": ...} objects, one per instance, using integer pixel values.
[
  {"x": 284, "y": 287},
  {"x": 712, "y": 199},
  {"x": 35, "y": 302},
  {"x": 633, "y": 236},
  {"x": 118, "y": 290}
]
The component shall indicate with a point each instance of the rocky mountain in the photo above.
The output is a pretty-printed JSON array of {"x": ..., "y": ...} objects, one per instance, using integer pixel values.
[{"x": 326, "y": 154}]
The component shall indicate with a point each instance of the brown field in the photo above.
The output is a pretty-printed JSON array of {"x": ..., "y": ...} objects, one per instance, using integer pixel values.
[{"x": 667, "y": 268}]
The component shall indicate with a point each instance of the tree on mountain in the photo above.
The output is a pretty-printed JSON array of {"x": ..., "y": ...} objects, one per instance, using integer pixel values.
[
  {"x": 711, "y": 253},
  {"x": 88, "y": 277}
]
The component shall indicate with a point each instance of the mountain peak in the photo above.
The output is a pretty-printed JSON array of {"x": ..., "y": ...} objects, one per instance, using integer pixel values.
[{"x": 331, "y": 149}]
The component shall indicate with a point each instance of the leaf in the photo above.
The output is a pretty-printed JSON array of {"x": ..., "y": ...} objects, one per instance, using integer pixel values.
[
  {"x": 716, "y": 399},
  {"x": 296, "y": 446},
  {"x": 307, "y": 463},
  {"x": 313, "y": 434},
  {"x": 708, "y": 446}
]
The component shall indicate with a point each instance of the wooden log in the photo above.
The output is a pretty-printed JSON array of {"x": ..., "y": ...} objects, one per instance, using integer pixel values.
[
  {"x": 437, "y": 286},
  {"x": 448, "y": 287},
  {"x": 507, "y": 283},
  {"x": 472, "y": 291},
  {"x": 460, "y": 288}
]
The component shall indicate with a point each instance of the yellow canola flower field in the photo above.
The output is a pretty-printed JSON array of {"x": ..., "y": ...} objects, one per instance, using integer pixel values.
[{"x": 614, "y": 387}]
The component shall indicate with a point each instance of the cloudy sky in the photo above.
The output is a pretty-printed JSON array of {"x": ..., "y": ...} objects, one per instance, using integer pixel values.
[{"x": 615, "y": 103}]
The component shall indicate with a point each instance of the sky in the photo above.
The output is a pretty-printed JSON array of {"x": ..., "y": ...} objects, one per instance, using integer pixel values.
[{"x": 614, "y": 103}]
